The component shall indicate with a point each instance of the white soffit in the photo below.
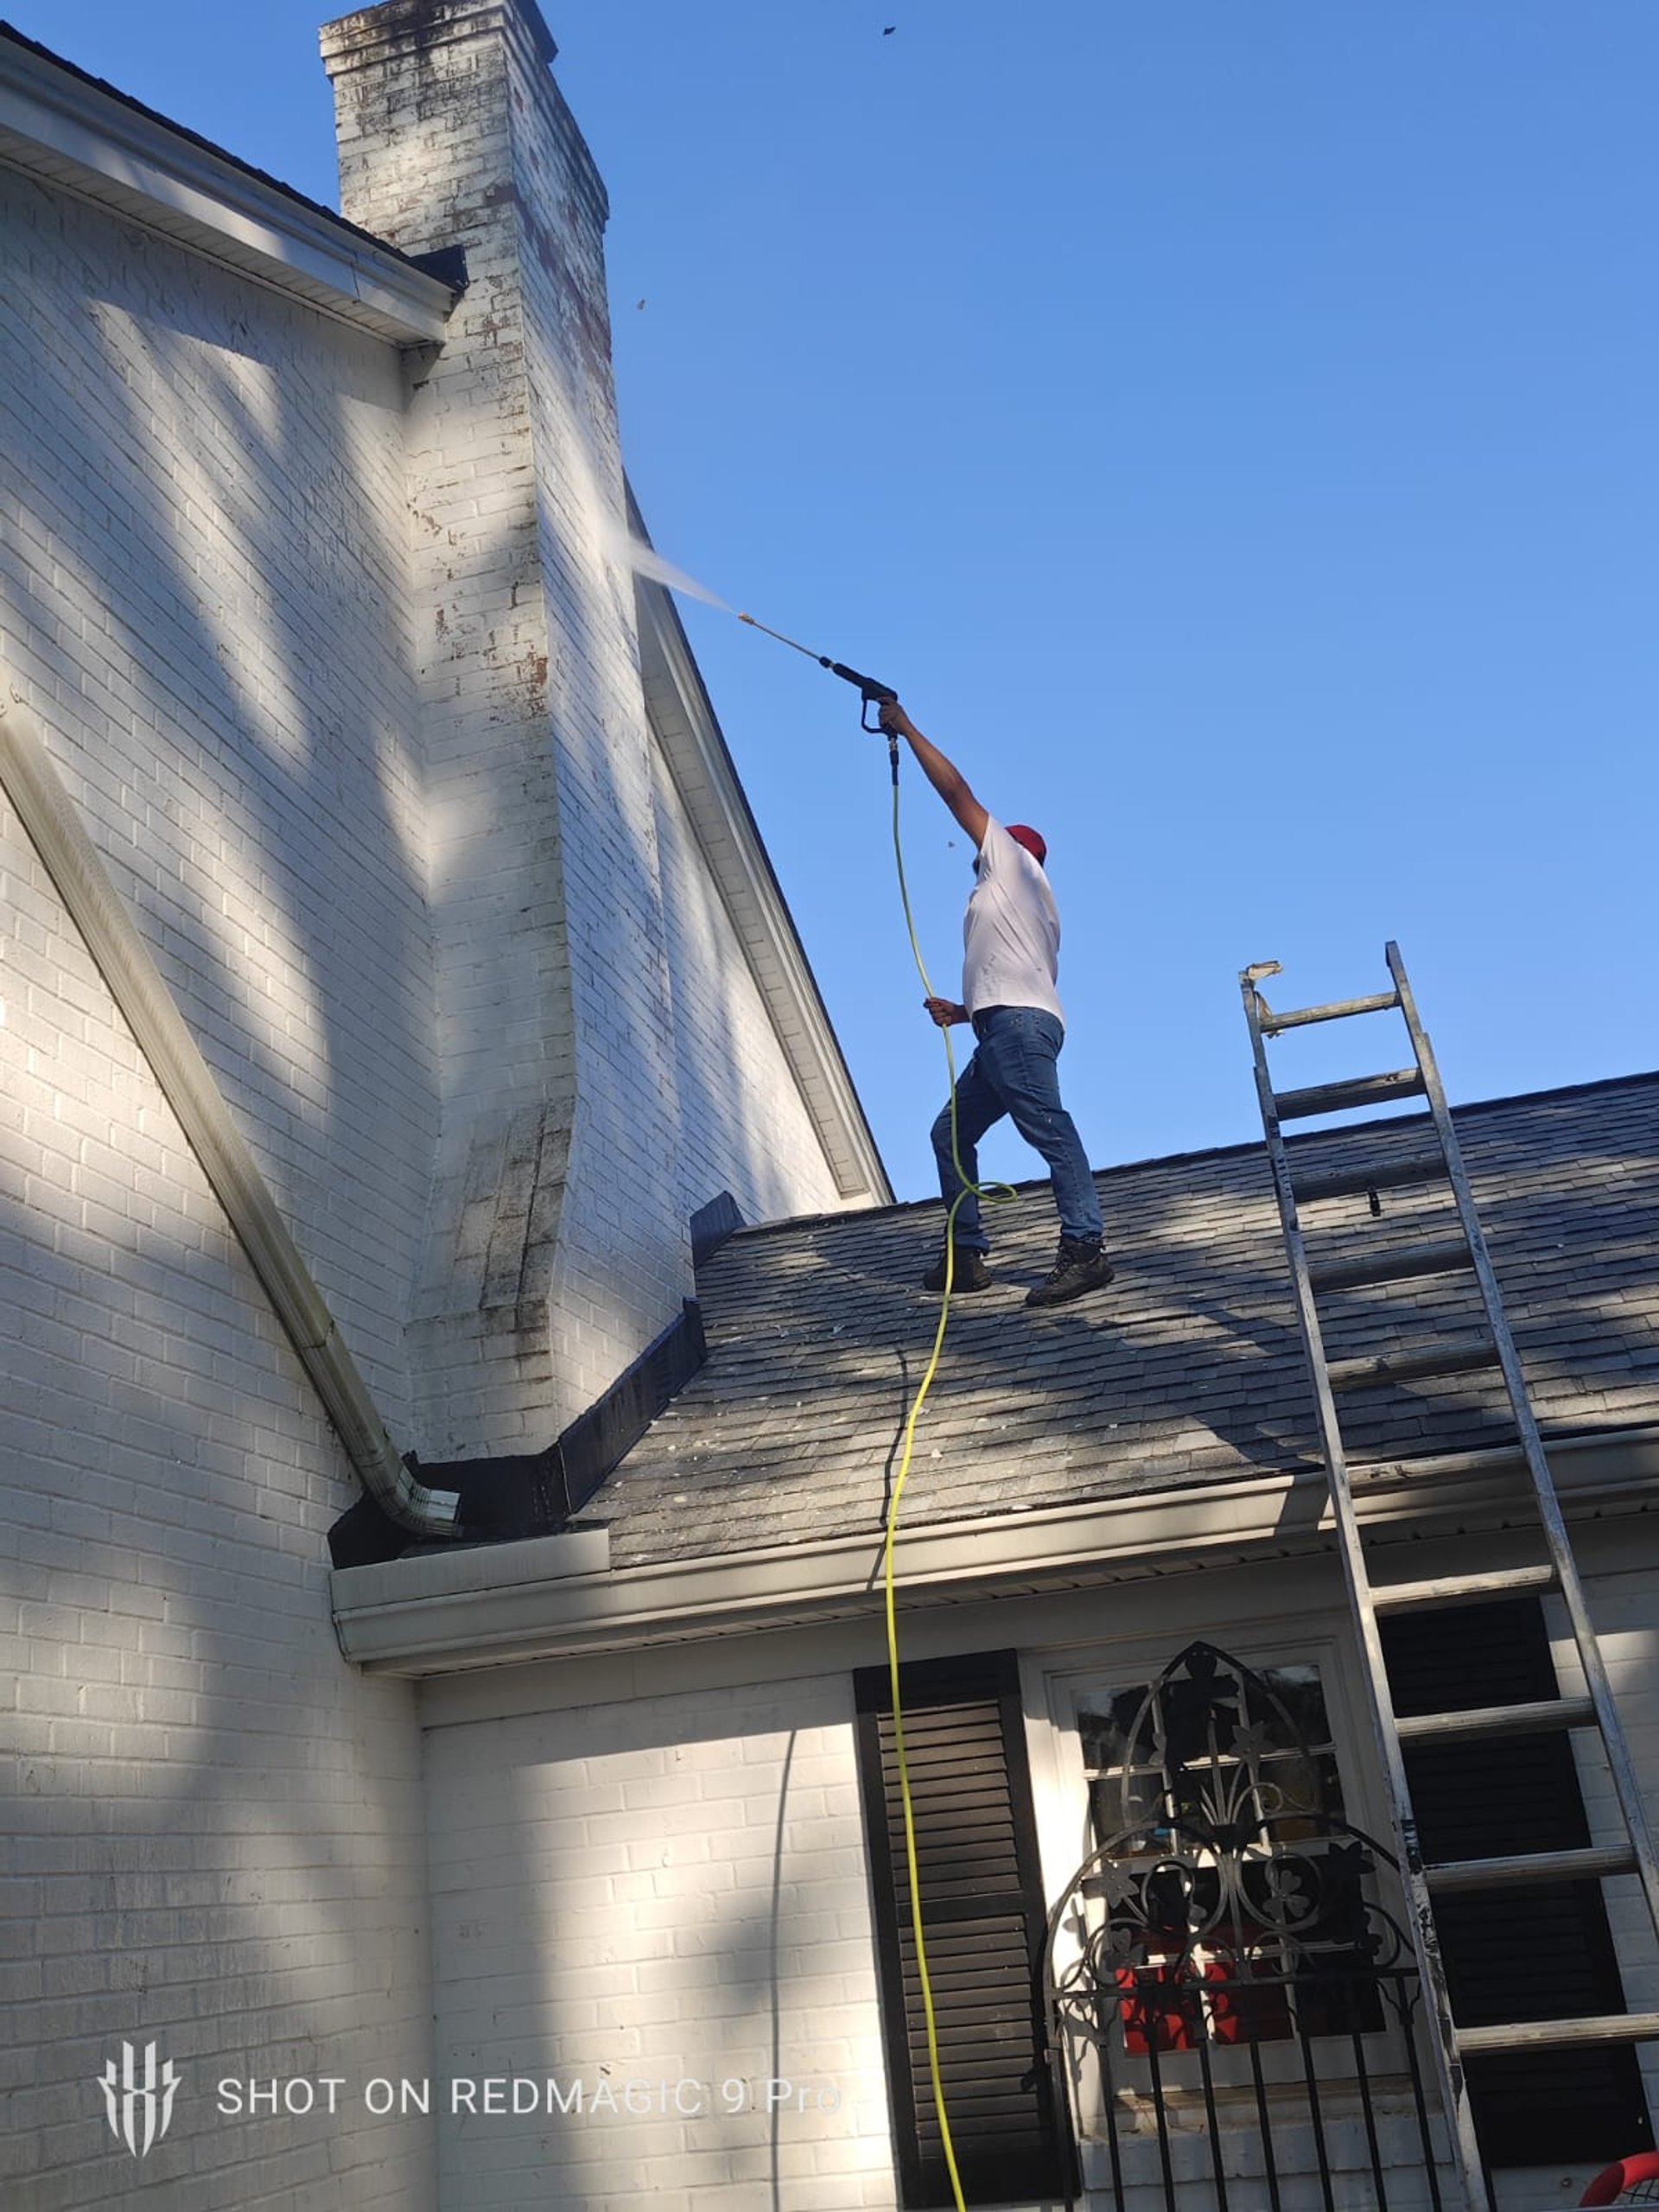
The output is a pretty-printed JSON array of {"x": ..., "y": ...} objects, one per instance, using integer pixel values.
[{"x": 57, "y": 126}]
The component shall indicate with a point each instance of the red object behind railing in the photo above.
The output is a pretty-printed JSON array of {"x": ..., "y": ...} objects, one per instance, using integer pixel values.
[{"x": 1609, "y": 2185}]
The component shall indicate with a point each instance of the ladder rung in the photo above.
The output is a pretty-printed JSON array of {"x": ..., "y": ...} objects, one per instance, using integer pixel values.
[
  {"x": 1460, "y": 1589},
  {"x": 1535, "y": 1866},
  {"x": 1540, "y": 1718},
  {"x": 1438, "y": 1258},
  {"x": 1338, "y": 1010},
  {"x": 1386, "y": 1175},
  {"x": 1547, "y": 2035},
  {"x": 1358, "y": 1091},
  {"x": 1452, "y": 1355}
]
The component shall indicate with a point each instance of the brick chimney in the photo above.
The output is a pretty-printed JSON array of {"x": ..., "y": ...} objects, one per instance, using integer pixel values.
[{"x": 556, "y": 1245}]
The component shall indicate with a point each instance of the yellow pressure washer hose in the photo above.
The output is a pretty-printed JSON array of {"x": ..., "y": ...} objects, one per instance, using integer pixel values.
[
  {"x": 875, "y": 693},
  {"x": 891, "y": 1545}
]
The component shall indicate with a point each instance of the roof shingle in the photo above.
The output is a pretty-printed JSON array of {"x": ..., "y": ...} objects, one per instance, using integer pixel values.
[{"x": 1188, "y": 1367}]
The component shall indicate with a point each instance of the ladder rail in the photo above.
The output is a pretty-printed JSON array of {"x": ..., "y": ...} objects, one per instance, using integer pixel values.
[
  {"x": 1431, "y": 1966},
  {"x": 1615, "y": 1743},
  {"x": 1597, "y": 1709}
]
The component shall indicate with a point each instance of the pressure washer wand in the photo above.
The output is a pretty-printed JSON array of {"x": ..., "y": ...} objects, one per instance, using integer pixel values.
[{"x": 870, "y": 691}]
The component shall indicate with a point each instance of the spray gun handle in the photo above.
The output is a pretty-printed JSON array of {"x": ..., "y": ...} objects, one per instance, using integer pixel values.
[{"x": 871, "y": 692}]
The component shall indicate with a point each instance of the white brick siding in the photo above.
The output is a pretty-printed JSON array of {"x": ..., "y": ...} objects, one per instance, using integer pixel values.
[
  {"x": 331, "y": 652},
  {"x": 328, "y": 651},
  {"x": 569, "y": 1157},
  {"x": 639, "y": 1888},
  {"x": 202, "y": 561},
  {"x": 214, "y": 1830},
  {"x": 742, "y": 1128},
  {"x": 673, "y": 1891}
]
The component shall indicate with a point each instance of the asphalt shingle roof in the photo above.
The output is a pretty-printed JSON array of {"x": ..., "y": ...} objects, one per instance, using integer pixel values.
[{"x": 1188, "y": 1368}]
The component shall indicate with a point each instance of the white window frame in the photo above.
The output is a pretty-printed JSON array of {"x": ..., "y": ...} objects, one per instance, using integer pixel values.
[{"x": 1053, "y": 1682}]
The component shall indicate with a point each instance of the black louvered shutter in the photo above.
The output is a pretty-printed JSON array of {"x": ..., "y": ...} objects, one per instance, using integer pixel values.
[
  {"x": 983, "y": 1917},
  {"x": 1537, "y": 1953}
]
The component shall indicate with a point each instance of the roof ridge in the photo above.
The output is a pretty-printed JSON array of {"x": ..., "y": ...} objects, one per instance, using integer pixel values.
[{"x": 792, "y": 1223}]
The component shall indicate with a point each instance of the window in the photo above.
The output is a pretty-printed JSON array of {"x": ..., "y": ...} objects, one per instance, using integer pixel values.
[
  {"x": 1214, "y": 1744},
  {"x": 1232, "y": 1985},
  {"x": 983, "y": 1918},
  {"x": 1542, "y": 1953},
  {"x": 1235, "y": 1906}
]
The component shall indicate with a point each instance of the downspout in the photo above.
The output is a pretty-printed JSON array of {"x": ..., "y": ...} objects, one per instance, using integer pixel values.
[{"x": 54, "y": 829}]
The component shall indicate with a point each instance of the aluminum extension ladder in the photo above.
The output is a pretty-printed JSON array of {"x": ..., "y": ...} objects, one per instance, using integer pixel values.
[{"x": 1490, "y": 1347}]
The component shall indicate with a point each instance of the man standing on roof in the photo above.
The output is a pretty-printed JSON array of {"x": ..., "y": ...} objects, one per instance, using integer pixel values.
[{"x": 1011, "y": 943}]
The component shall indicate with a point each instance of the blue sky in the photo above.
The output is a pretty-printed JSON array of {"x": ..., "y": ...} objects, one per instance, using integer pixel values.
[{"x": 1232, "y": 427}]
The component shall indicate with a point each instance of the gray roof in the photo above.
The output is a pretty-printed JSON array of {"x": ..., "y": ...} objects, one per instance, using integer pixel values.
[{"x": 1188, "y": 1368}]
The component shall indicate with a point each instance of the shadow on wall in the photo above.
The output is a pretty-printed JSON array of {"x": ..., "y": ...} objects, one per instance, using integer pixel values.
[
  {"x": 209, "y": 590},
  {"x": 666, "y": 1896},
  {"x": 219, "y": 636},
  {"x": 212, "y": 1814},
  {"x": 227, "y": 561}
]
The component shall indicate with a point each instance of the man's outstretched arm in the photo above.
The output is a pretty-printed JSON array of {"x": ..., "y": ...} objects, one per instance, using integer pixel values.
[{"x": 943, "y": 773}]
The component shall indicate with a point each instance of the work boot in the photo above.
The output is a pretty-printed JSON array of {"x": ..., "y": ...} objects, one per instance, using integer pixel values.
[
  {"x": 968, "y": 1273},
  {"x": 1080, "y": 1267}
]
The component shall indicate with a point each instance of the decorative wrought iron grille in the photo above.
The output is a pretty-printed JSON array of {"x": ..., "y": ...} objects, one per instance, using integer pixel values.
[{"x": 1231, "y": 2001}]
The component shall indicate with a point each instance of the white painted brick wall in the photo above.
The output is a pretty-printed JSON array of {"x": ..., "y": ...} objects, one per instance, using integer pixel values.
[
  {"x": 213, "y": 1824},
  {"x": 339, "y": 681},
  {"x": 202, "y": 586},
  {"x": 569, "y": 1049},
  {"x": 540, "y": 1285},
  {"x": 744, "y": 1127},
  {"x": 672, "y": 1889},
  {"x": 282, "y": 747},
  {"x": 590, "y": 1874}
]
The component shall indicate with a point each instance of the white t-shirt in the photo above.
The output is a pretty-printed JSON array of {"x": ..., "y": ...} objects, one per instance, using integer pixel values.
[{"x": 1011, "y": 932}]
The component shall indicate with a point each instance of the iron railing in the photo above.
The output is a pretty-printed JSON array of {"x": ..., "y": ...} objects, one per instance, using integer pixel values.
[{"x": 1232, "y": 2001}]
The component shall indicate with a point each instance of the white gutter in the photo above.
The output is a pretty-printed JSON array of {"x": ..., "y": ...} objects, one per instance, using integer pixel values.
[
  {"x": 554, "y": 1596},
  {"x": 56, "y": 124},
  {"x": 54, "y": 829}
]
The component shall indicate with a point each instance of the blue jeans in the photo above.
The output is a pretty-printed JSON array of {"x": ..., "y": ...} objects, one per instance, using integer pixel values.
[{"x": 1015, "y": 1072}]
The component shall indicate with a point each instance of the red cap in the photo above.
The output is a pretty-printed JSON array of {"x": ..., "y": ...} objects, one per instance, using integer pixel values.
[{"x": 1033, "y": 841}]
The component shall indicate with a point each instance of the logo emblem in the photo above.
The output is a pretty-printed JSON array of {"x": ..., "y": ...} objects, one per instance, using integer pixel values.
[{"x": 139, "y": 2109}]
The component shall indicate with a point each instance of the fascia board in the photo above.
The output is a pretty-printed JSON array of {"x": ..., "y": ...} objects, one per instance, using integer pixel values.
[
  {"x": 505, "y": 1604},
  {"x": 54, "y": 125}
]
